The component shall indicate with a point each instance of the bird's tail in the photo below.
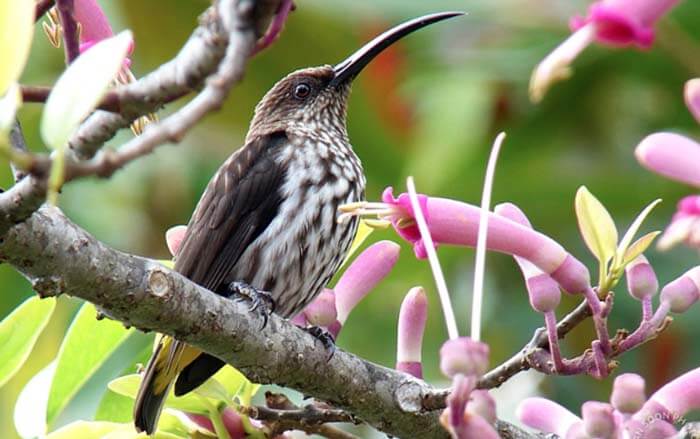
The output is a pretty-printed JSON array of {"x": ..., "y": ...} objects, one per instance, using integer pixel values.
[{"x": 169, "y": 358}]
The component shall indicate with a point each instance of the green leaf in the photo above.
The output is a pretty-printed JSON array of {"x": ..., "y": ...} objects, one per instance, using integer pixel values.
[
  {"x": 30, "y": 408},
  {"x": 106, "y": 430},
  {"x": 632, "y": 231},
  {"x": 19, "y": 332},
  {"x": 232, "y": 380},
  {"x": 81, "y": 87},
  {"x": 596, "y": 225},
  {"x": 16, "y": 30},
  {"x": 128, "y": 385},
  {"x": 212, "y": 389},
  {"x": 87, "y": 345},
  {"x": 115, "y": 408},
  {"x": 639, "y": 247}
]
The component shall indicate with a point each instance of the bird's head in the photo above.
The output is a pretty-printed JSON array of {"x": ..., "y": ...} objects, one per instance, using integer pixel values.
[{"x": 316, "y": 97}]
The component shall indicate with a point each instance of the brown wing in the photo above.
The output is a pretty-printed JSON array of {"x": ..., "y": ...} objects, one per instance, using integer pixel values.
[{"x": 240, "y": 201}]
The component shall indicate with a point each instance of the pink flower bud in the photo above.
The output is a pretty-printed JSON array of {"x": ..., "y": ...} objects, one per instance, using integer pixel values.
[
  {"x": 482, "y": 404},
  {"x": 628, "y": 393},
  {"x": 543, "y": 291},
  {"x": 683, "y": 292},
  {"x": 671, "y": 155},
  {"x": 577, "y": 431},
  {"x": 471, "y": 427},
  {"x": 546, "y": 416},
  {"x": 598, "y": 419},
  {"x": 412, "y": 318},
  {"x": 464, "y": 356},
  {"x": 692, "y": 97},
  {"x": 321, "y": 312},
  {"x": 641, "y": 279},
  {"x": 624, "y": 22},
  {"x": 231, "y": 419},
  {"x": 365, "y": 272},
  {"x": 174, "y": 237},
  {"x": 456, "y": 223}
]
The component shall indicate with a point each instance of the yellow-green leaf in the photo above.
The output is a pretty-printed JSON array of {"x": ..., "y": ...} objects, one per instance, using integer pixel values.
[
  {"x": 87, "y": 345},
  {"x": 232, "y": 380},
  {"x": 596, "y": 225},
  {"x": 81, "y": 87},
  {"x": 632, "y": 231},
  {"x": 16, "y": 28},
  {"x": 19, "y": 331},
  {"x": 638, "y": 247}
]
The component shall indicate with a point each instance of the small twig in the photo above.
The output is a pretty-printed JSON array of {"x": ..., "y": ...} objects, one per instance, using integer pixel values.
[
  {"x": 282, "y": 415},
  {"x": 518, "y": 362},
  {"x": 71, "y": 42},
  {"x": 42, "y": 6},
  {"x": 112, "y": 101}
]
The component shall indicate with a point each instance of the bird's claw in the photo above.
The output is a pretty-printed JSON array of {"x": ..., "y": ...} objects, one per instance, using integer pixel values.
[
  {"x": 324, "y": 337},
  {"x": 260, "y": 301}
]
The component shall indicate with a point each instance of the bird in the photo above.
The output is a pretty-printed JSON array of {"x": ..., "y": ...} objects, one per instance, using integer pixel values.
[{"x": 268, "y": 217}]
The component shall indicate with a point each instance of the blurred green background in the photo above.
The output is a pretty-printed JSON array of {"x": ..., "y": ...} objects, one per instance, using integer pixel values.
[{"x": 430, "y": 107}]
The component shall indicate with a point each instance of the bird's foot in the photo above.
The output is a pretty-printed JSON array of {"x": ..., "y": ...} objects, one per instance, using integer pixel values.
[
  {"x": 260, "y": 301},
  {"x": 324, "y": 337}
]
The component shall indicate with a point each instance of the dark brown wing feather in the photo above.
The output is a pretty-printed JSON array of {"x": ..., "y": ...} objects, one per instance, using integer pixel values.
[{"x": 239, "y": 203}]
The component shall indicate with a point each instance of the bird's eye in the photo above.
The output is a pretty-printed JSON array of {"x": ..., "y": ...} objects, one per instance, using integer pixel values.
[{"x": 302, "y": 91}]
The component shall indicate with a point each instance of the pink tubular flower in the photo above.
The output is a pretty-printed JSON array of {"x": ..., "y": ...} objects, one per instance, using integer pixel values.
[
  {"x": 691, "y": 92},
  {"x": 673, "y": 400},
  {"x": 612, "y": 22},
  {"x": 546, "y": 416},
  {"x": 457, "y": 223},
  {"x": 94, "y": 25},
  {"x": 671, "y": 155},
  {"x": 322, "y": 311},
  {"x": 412, "y": 318},
  {"x": 365, "y": 272},
  {"x": 622, "y": 23},
  {"x": 685, "y": 225}
]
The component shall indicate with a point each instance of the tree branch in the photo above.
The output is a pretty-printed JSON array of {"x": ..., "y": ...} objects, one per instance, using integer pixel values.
[
  {"x": 60, "y": 258},
  {"x": 198, "y": 59},
  {"x": 520, "y": 361},
  {"x": 110, "y": 102}
]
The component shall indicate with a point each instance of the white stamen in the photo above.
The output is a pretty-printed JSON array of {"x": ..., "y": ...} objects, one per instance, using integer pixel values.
[
  {"x": 434, "y": 261},
  {"x": 480, "y": 264}
]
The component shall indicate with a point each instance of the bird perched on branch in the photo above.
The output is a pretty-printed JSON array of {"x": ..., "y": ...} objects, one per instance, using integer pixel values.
[{"x": 267, "y": 219}]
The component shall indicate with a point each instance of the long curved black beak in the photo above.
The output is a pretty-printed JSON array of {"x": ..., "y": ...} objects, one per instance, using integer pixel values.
[{"x": 352, "y": 65}]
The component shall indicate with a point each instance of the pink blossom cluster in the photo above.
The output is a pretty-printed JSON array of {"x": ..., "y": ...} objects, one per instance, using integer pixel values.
[{"x": 628, "y": 414}]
